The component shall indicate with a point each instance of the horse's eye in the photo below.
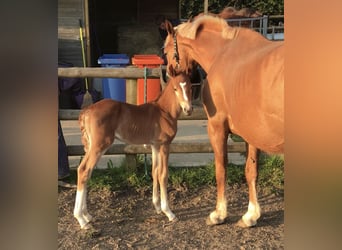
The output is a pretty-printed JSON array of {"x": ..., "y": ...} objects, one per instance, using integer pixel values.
[{"x": 175, "y": 89}]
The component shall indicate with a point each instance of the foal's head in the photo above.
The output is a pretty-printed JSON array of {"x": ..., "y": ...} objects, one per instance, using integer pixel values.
[{"x": 182, "y": 87}]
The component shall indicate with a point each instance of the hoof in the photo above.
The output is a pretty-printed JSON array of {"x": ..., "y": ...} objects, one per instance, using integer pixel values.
[
  {"x": 242, "y": 224},
  {"x": 91, "y": 231},
  {"x": 171, "y": 222},
  {"x": 209, "y": 222},
  {"x": 86, "y": 226},
  {"x": 88, "y": 218},
  {"x": 175, "y": 219},
  {"x": 158, "y": 209}
]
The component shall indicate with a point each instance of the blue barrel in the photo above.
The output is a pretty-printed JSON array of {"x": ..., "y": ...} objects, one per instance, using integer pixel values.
[{"x": 114, "y": 88}]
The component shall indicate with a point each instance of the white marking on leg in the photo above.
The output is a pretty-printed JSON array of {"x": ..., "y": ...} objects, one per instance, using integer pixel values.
[
  {"x": 182, "y": 84},
  {"x": 155, "y": 169},
  {"x": 166, "y": 209},
  {"x": 87, "y": 217},
  {"x": 252, "y": 215},
  {"x": 79, "y": 206},
  {"x": 220, "y": 213}
]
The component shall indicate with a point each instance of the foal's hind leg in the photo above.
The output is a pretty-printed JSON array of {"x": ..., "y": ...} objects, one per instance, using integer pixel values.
[
  {"x": 84, "y": 172},
  {"x": 252, "y": 215}
]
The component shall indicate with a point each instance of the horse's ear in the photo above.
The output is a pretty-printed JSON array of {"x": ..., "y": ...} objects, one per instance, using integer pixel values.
[
  {"x": 171, "y": 71},
  {"x": 169, "y": 27}
]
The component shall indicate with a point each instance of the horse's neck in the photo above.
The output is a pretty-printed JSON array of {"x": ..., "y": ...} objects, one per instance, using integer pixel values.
[
  {"x": 210, "y": 44},
  {"x": 206, "y": 47},
  {"x": 168, "y": 103}
]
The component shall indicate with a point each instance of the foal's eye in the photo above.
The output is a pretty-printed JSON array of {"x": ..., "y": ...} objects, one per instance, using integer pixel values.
[{"x": 175, "y": 89}]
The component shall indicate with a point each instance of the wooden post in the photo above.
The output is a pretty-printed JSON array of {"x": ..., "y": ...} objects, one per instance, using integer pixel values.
[
  {"x": 131, "y": 162},
  {"x": 131, "y": 91},
  {"x": 205, "y": 6},
  {"x": 131, "y": 97},
  {"x": 87, "y": 33}
]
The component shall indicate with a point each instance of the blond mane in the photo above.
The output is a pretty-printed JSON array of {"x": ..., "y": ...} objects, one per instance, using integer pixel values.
[{"x": 189, "y": 29}]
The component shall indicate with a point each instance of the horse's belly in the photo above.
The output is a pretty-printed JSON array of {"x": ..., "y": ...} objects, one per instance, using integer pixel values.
[
  {"x": 274, "y": 145},
  {"x": 268, "y": 139},
  {"x": 264, "y": 132}
]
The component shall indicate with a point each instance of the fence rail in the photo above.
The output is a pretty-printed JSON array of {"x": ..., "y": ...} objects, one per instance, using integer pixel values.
[
  {"x": 175, "y": 147},
  {"x": 72, "y": 114},
  {"x": 130, "y": 151},
  {"x": 129, "y": 72}
]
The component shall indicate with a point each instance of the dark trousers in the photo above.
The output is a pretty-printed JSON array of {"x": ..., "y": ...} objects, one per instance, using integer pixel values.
[{"x": 63, "y": 162}]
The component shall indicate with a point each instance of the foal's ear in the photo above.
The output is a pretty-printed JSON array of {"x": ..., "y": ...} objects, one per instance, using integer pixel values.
[{"x": 169, "y": 27}]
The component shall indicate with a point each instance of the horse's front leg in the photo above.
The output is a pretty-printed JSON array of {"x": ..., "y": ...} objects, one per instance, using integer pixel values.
[
  {"x": 163, "y": 176},
  {"x": 218, "y": 134},
  {"x": 253, "y": 213},
  {"x": 156, "y": 161}
]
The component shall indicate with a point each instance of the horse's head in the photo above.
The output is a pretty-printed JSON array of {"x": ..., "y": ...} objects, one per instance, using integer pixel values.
[
  {"x": 181, "y": 85},
  {"x": 178, "y": 58}
]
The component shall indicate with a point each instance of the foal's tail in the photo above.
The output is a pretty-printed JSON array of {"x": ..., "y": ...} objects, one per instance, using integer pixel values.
[{"x": 84, "y": 135}]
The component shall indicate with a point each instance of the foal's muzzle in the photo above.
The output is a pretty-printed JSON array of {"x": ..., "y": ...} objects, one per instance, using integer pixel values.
[{"x": 187, "y": 109}]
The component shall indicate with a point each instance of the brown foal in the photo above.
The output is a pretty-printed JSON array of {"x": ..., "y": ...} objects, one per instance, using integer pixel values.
[{"x": 153, "y": 123}]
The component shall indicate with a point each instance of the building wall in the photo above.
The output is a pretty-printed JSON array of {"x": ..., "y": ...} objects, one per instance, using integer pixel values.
[
  {"x": 69, "y": 45},
  {"x": 129, "y": 28}
]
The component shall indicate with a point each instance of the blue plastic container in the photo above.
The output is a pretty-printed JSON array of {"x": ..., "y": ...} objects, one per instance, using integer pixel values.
[{"x": 114, "y": 88}]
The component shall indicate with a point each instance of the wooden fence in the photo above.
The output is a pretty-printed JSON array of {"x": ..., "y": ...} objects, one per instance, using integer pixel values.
[{"x": 132, "y": 150}]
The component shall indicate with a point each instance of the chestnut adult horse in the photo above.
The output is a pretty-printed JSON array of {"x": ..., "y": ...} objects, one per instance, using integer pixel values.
[
  {"x": 243, "y": 94},
  {"x": 152, "y": 123}
]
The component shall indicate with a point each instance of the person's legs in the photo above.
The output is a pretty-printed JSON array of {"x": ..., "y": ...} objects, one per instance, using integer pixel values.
[{"x": 63, "y": 162}]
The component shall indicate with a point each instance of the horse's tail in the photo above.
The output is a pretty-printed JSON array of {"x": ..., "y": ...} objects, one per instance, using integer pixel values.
[{"x": 82, "y": 123}]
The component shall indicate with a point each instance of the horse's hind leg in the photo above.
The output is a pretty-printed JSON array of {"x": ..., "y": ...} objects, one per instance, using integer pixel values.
[
  {"x": 253, "y": 213},
  {"x": 83, "y": 175}
]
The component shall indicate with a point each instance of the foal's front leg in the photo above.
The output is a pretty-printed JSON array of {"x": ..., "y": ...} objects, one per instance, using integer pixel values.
[
  {"x": 163, "y": 176},
  {"x": 160, "y": 174},
  {"x": 252, "y": 215},
  {"x": 155, "y": 169}
]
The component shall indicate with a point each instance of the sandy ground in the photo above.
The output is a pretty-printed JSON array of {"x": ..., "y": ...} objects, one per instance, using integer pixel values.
[{"x": 127, "y": 220}]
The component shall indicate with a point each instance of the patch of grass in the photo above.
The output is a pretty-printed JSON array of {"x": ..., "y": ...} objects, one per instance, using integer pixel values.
[
  {"x": 270, "y": 178},
  {"x": 236, "y": 138},
  {"x": 271, "y": 173},
  {"x": 236, "y": 174},
  {"x": 192, "y": 177},
  {"x": 114, "y": 178}
]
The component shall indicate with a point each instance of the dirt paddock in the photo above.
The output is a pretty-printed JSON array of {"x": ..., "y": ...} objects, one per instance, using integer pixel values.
[{"x": 127, "y": 220}]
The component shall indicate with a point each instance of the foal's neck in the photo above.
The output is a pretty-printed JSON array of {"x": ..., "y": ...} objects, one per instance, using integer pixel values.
[{"x": 168, "y": 102}]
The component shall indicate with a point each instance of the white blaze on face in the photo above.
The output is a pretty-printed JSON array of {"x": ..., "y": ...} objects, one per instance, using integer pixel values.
[{"x": 182, "y": 84}]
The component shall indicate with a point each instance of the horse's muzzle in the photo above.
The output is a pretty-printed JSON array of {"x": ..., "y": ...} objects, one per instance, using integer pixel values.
[{"x": 188, "y": 110}]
